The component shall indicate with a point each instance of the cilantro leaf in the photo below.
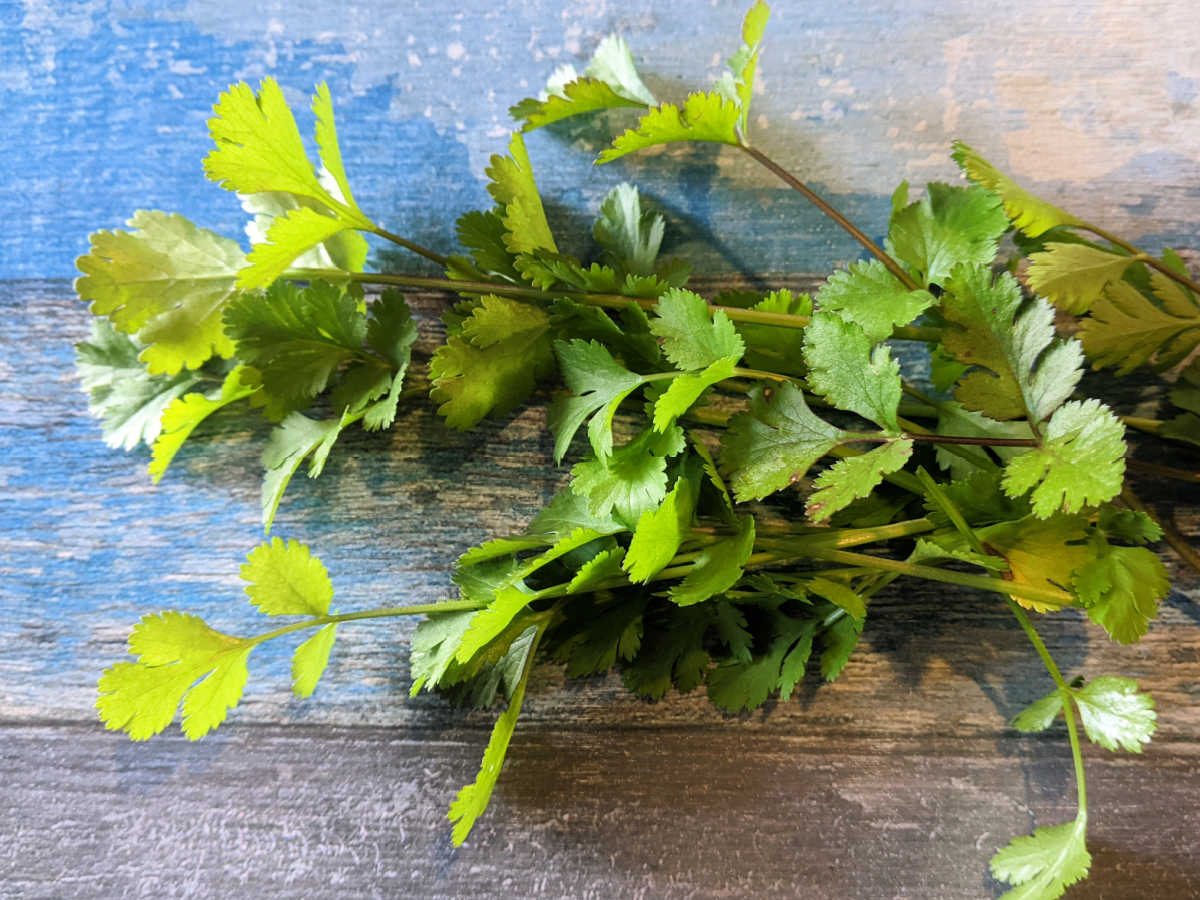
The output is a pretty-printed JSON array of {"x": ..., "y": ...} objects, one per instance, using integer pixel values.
[
  {"x": 347, "y": 250},
  {"x": 770, "y": 347},
  {"x": 947, "y": 227},
  {"x": 705, "y": 116},
  {"x": 660, "y": 532},
  {"x": 166, "y": 282},
  {"x": 672, "y": 652},
  {"x": 1045, "y": 863},
  {"x": 600, "y": 568},
  {"x": 738, "y": 683},
  {"x": 599, "y": 637},
  {"x": 1040, "y": 714},
  {"x": 686, "y": 389},
  {"x": 693, "y": 335},
  {"x": 297, "y": 338},
  {"x": 296, "y": 438},
  {"x": 630, "y": 235},
  {"x": 738, "y": 83},
  {"x": 483, "y": 234},
  {"x": 1120, "y": 588},
  {"x": 774, "y": 443},
  {"x": 181, "y": 417},
  {"x": 1020, "y": 369},
  {"x": 285, "y": 579},
  {"x": 1081, "y": 461},
  {"x": 839, "y": 641},
  {"x": 957, "y": 421},
  {"x": 870, "y": 296},
  {"x": 1040, "y": 552},
  {"x": 493, "y": 365},
  {"x": 630, "y": 481},
  {"x": 855, "y": 477},
  {"x": 180, "y": 659},
  {"x": 1127, "y": 330},
  {"x": 128, "y": 399},
  {"x": 310, "y": 659},
  {"x": 717, "y": 567},
  {"x": 1074, "y": 276},
  {"x": 598, "y": 384},
  {"x": 1028, "y": 212},
  {"x": 512, "y": 186},
  {"x": 288, "y": 237},
  {"x": 433, "y": 647},
  {"x": 1114, "y": 714},
  {"x": 852, "y": 374}
]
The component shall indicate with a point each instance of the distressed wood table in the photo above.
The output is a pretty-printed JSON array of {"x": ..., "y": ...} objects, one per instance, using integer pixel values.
[{"x": 899, "y": 780}]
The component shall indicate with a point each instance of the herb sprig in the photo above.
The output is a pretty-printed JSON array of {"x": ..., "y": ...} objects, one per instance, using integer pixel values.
[{"x": 678, "y": 414}]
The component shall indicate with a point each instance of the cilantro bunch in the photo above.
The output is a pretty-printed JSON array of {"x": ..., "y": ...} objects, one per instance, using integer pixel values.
[{"x": 747, "y": 471}]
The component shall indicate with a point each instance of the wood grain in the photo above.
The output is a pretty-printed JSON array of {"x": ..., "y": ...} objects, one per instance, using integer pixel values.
[{"x": 899, "y": 780}]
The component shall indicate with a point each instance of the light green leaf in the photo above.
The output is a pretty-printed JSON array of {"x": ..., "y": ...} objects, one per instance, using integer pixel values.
[
  {"x": 598, "y": 385},
  {"x": 955, "y": 420},
  {"x": 839, "y": 595},
  {"x": 661, "y": 531},
  {"x": 774, "y": 443},
  {"x": 289, "y": 237},
  {"x": 870, "y": 296},
  {"x": 1040, "y": 714},
  {"x": 184, "y": 413},
  {"x": 127, "y": 399},
  {"x": 1041, "y": 553},
  {"x": 738, "y": 83},
  {"x": 1081, "y": 461},
  {"x": 602, "y": 567},
  {"x": 855, "y": 477},
  {"x": 771, "y": 347},
  {"x": 513, "y": 187},
  {"x": 310, "y": 659},
  {"x": 630, "y": 481},
  {"x": 718, "y": 566},
  {"x": 686, "y": 389},
  {"x": 1127, "y": 330},
  {"x": 433, "y": 647},
  {"x": 1074, "y": 276},
  {"x": 1121, "y": 588},
  {"x": 705, "y": 116},
  {"x": 1045, "y": 863},
  {"x": 166, "y": 282},
  {"x": 175, "y": 651},
  {"x": 613, "y": 64},
  {"x": 346, "y": 250},
  {"x": 629, "y": 234},
  {"x": 947, "y": 227},
  {"x": 852, "y": 374},
  {"x": 1030, "y": 213},
  {"x": 694, "y": 336},
  {"x": 327, "y": 141},
  {"x": 578, "y": 97},
  {"x": 1114, "y": 714},
  {"x": 391, "y": 333},
  {"x": 1020, "y": 369},
  {"x": 294, "y": 439},
  {"x": 285, "y": 579}
]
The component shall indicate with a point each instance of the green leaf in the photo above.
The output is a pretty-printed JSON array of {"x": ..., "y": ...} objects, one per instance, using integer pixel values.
[
  {"x": 839, "y": 641},
  {"x": 181, "y": 417},
  {"x": 327, "y": 141},
  {"x": 693, "y": 335},
  {"x": 705, "y": 116},
  {"x": 391, "y": 333},
  {"x": 948, "y": 226},
  {"x": 1175, "y": 298},
  {"x": 602, "y": 567},
  {"x": 1114, "y": 714},
  {"x": 291, "y": 442},
  {"x": 839, "y": 595},
  {"x": 630, "y": 481},
  {"x": 1121, "y": 588},
  {"x": 774, "y": 443},
  {"x": 473, "y": 799},
  {"x": 1074, "y": 276},
  {"x": 1128, "y": 525},
  {"x": 1045, "y": 863},
  {"x": 954, "y": 420},
  {"x": 512, "y": 186},
  {"x": 1040, "y": 714},
  {"x": 661, "y": 531},
  {"x": 672, "y": 653},
  {"x": 1127, "y": 330},
  {"x": 1042, "y": 553},
  {"x": 629, "y": 234},
  {"x": 288, "y": 237},
  {"x": 310, "y": 659},
  {"x": 166, "y": 282},
  {"x": 717, "y": 567},
  {"x": 1081, "y": 461},
  {"x": 746, "y": 683},
  {"x": 127, "y": 399},
  {"x": 598, "y": 385},
  {"x": 871, "y": 297},
  {"x": 434, "y": 646},
  {"x": 597, "y": 638},
  {"x": 1028, "y": 212},
  {"x": 346, "y": 250},
  {"x": 297, "y": 338},
  {"x": 1019, "y": 368},
  {"x": 686, "y": 389},
  {"x": 179, "y": 657},
  {"x": 738, "y": 83},
  {"x": 285, "y": 579},
  {"x": 852, "y": 374},
  {"x": 855, "y": 477},
  {"x": 493, "y": 366},
  {"x": 771, "y": 347}
]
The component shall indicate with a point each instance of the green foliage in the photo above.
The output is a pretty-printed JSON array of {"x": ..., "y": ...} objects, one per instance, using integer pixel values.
[
  {"x": 704, "y": 117},
  {"x": 855, "y": 477},
  {"x": 1114, "y": 714},
  {"x": 1028, "y": 212},
  {"x": 693, "y": 335},
  {"x": 947, "y": 227},
  {"x": 851, "y": 373},
  {"x": 179, "y": 419},
  {"x": 871, "y": 297},
  {"x": 1126, "y": 329},
  {"x": 598, "y": 385},
  {"x": 1044, "y": 864},
  {"x": 1074, "y": 276},
  {"x": 513, "y": 188}
]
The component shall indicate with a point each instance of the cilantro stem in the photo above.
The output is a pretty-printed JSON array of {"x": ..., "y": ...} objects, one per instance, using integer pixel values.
[
  {"x": 414, "y": 247},
  {"x": 797, "y": 185},
  {"x": 1067, "y": 697},
  {"x": 1141, "y": 256},
  {"x": 382, "y": 612}
]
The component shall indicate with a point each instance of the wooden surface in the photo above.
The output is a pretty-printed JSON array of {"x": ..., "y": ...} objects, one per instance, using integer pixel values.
[{"x": 900, "y": 780}]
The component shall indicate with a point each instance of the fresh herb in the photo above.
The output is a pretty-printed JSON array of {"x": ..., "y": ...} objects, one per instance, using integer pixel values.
[{"x": 674, "y": 413}]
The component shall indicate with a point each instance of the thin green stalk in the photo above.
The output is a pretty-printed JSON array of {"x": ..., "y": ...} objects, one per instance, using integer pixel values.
[
  {"x": 414, "y": 247},
  {"x": 1141, "y": 256},
  {"x": 1067, "y": 698},
  {"x": 1149, "y": 426},
  {"x": 382, "y": 612}
]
